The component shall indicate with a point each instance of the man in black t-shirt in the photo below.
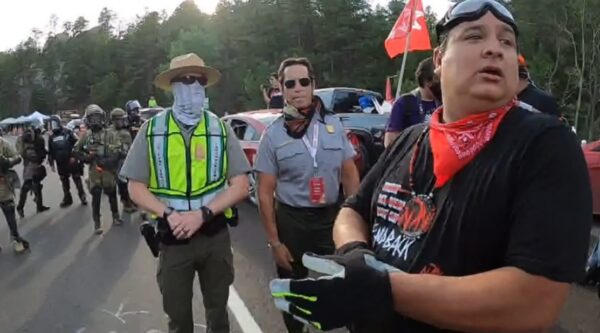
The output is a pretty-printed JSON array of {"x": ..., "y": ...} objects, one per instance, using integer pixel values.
[
  {"x": 531, "y": 97},
  {"x": 478, "y": 221}
]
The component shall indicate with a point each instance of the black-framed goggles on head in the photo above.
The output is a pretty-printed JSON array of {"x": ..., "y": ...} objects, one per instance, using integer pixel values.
[{"x": 471, "y": 10}]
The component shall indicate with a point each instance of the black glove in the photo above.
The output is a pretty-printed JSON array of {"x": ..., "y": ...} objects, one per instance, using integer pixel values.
[
  {"x": 4, "y": 164},
  {"x": 358, "y": 287}
]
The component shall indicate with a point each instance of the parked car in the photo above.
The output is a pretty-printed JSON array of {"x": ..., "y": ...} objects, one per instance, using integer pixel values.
[
  {"x": 345, "y": 100},
  {"x": 591, "y": 152},
  {"x": 148, "y": 113},
  {"x": 248, "y": 128},
  {"x": 76, "y": 125},
  {"x": 365, "y": 132}
]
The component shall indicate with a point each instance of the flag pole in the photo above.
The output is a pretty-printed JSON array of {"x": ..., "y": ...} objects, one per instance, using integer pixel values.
[{"x": 401, "y": 74}]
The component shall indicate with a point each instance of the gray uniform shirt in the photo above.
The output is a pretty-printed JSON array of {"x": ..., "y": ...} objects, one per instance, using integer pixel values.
[
  {"x": 290, "y": 161},
  {"x": 137, "y": 163}
]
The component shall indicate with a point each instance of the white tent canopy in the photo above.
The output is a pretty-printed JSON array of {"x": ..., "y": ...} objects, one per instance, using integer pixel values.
[
  {"x": 36, "y": 118},
  {"x": 8, "y": 121}
]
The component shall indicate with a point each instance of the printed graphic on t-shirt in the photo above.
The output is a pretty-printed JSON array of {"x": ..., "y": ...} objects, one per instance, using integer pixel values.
[{"x": 403, "y": 220}]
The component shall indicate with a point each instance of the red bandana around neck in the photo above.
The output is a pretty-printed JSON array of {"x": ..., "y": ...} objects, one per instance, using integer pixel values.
[{"x": 454, "y": 145}]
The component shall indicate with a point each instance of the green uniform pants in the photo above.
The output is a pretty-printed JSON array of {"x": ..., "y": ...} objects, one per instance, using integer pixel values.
[
  {"x": 303, "y": 230},
  {"x": 209, "y": 257}
]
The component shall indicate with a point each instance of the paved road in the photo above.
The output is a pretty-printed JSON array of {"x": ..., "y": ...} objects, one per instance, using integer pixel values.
[{"x": 74, "y": 281}]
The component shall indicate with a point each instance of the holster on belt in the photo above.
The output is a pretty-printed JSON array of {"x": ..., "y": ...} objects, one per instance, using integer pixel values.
[{"x": 149, "y": 232}]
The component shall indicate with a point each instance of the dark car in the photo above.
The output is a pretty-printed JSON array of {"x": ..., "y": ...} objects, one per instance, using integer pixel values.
[
  {"x": 345, "y": 100},
  {"x": 366, "y": 130},
  {"x": 366, "y": 133}
]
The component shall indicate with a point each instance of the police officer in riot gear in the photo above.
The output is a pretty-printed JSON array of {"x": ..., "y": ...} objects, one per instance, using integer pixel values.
[
  {"x": 32, "y": 148},
  {"x": 101, "y": 149},
  {"x": 9, "y": 180},
  {"x": 134, "y": 120},
  {"x": 60, "y": 150},
  {"x": 119, "y": 119}
]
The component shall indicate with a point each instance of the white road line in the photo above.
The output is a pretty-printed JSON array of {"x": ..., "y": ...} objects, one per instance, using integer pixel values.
[{"x": 241, "y": 313}]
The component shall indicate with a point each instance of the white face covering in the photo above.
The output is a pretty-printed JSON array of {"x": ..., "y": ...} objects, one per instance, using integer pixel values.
[{"x": 189, "y": 102}]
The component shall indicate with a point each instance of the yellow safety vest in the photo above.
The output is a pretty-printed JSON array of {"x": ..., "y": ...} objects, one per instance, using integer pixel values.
[{"x": 186, "y": 176}]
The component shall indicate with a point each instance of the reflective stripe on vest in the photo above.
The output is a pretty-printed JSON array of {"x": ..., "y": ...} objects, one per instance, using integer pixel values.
[{"x": 186, "y": 177}]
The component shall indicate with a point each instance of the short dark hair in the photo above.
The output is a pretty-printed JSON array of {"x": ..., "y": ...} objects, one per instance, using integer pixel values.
[
  {"x": 292, "y": 62},
  {"x": 424, "y": 72}
]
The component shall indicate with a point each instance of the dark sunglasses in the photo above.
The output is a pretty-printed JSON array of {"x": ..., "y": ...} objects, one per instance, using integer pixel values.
[
  {"x": 190, "y": 79},
  {"x": 471, "y": 10},
  {"x": 305, "y": 82}
]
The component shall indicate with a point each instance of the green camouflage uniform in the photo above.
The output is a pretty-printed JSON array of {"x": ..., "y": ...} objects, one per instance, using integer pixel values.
[
  {"x": 9, "y": 181},
  {"x": 33, "y": 154},
  {"x": 102, "y": 150},
  {"x": 125, "y": 139}
]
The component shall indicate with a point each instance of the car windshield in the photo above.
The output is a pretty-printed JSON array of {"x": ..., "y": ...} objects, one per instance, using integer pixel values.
[
  {"x": 267, "y": 120},
  {"x": 149, "y": 113},
  {"x": 326, "y": 97}
]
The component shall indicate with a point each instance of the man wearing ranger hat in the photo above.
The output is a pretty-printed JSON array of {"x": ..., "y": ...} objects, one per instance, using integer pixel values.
[{"x": 190, "y": 180}]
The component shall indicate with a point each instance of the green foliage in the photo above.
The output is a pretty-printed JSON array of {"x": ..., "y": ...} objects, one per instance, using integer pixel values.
[{"x": 246, "y": 40}]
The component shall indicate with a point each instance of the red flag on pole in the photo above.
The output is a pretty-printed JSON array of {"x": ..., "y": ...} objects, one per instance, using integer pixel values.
[
  {"x": 411, "y": 22},
  {"x": 388, "y": 90}
]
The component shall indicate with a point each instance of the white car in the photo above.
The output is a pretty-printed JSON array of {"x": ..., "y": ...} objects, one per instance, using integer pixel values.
[{"x": 76, "y": 125}]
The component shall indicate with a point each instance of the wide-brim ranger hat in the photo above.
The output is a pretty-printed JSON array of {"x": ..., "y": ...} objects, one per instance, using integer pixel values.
[
  {"x": 187, "y": 64},
  {"x": 471, "y": 10}
]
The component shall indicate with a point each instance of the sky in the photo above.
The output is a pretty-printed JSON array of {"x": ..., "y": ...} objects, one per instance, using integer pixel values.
[{"x": 19, "y": 18}]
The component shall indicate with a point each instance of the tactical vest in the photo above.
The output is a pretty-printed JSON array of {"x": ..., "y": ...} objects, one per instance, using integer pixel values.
[
  {"x": 187, "y": 176},
  {"x": 104, "y": 145},
  {"x": 61, "y": 145}
]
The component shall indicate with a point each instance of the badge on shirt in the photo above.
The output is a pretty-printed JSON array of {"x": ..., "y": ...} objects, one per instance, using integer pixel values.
[
  {"x": 199, "y": 153},
  {"x": 330, "y": 129},
  {"x": 317, "y": 190}
]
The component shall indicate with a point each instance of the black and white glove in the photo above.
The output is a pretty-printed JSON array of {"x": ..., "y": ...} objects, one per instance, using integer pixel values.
[{"x": 356, "y": 287}]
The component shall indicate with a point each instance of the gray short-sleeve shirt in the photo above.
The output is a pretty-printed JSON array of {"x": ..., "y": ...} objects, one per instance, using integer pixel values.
[
  {"x": 137, "y": 164},
  {"x": 290, "y": 161}
]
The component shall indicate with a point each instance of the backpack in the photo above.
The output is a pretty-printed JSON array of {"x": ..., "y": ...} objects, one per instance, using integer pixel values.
[{"x": 412, "y": 107}]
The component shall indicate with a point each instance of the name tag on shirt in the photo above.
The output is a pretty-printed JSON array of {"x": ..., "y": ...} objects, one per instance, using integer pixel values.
[
  {"x": 330, "y": 129},
  {"x": 317, "y": 190},
  {"x": 58, "y": 138}
]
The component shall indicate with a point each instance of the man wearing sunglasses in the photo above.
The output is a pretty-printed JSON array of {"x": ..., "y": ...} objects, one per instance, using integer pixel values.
[
  {"x": 303, "y": 157},
  {"x": 476, "y": 222},
  {"x": 187, "y": 167}
]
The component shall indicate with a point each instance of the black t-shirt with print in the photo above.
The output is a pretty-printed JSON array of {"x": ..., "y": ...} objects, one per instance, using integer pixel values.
[{"x": 523, "y": 201}]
